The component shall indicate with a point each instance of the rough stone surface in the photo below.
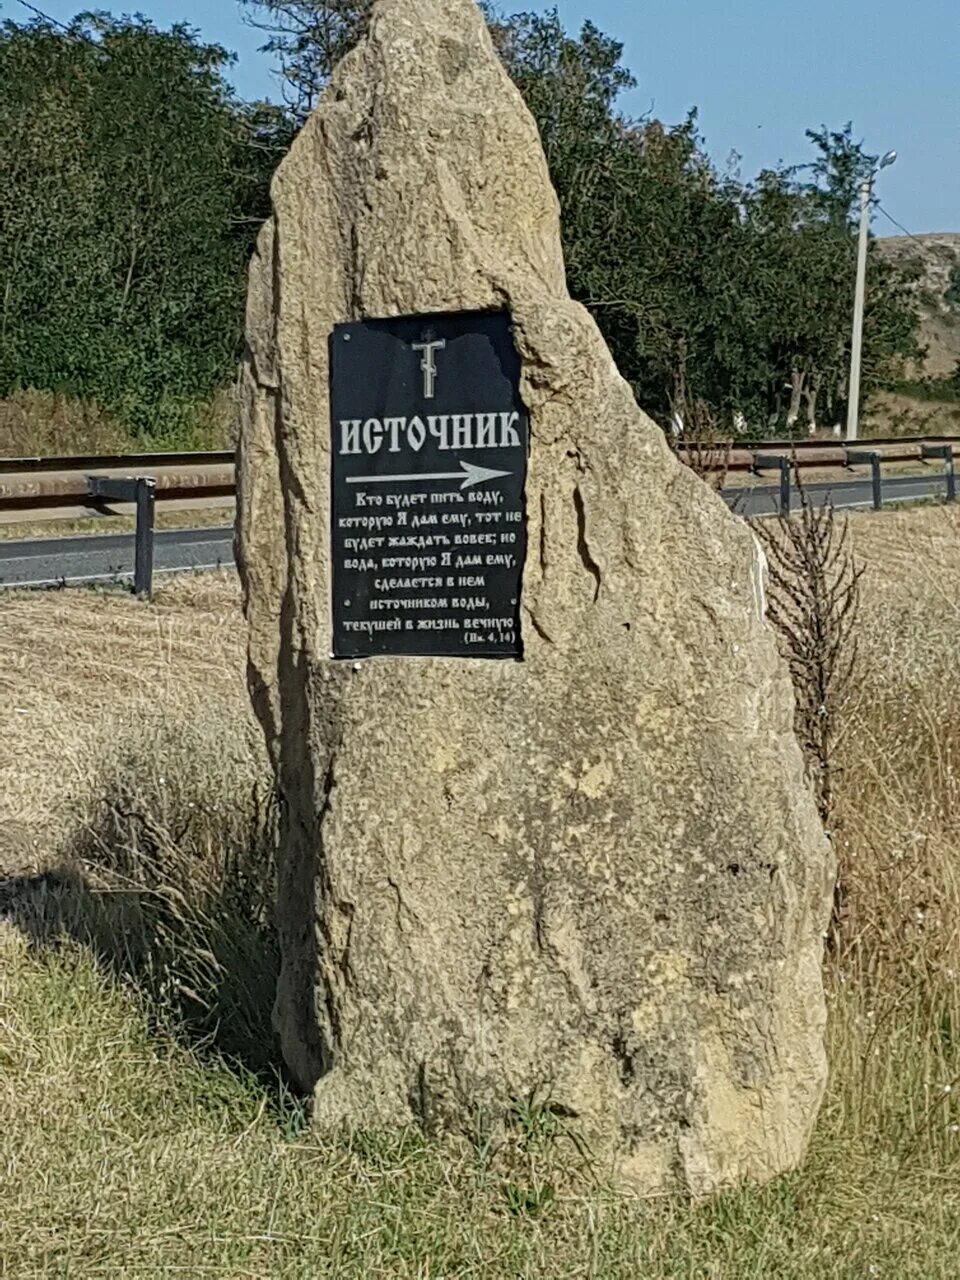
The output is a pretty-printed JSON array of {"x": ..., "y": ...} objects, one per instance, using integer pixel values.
[{"x": 597, "y": 871}]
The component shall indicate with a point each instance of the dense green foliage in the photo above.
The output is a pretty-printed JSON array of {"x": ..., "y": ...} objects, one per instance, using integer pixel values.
[{"x": 132, "y": 182}]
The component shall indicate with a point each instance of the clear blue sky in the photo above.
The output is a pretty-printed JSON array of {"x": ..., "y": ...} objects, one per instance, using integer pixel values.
[{"x": 761, "y": 72}]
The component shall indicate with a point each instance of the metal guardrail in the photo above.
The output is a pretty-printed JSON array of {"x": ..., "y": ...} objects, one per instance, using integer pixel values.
[
  {"x": 146, "y": 462},
  {"x": 786, "y": 464},
  {"x": 811, "y": 443},
  {"x": 43, "y": 486},
  {"x": 63, "y": 483},
  {"x": 944, "y": 451},
  {"x": 42, "y": 489},
  {"x": 117, "y": 462},
  {"x": 776, "y": 462},
  {"x": 739, "y": 455},
  {"x": 872, "y": 458}
]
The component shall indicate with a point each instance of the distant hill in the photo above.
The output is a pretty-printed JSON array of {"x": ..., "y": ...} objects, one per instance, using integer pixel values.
[
  {"x": 938, "y": 295},
  {"x": 920, "y": 410}
]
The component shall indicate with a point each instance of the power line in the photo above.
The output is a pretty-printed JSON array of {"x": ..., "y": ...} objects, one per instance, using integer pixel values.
[
  {"x": 899, "y": 225},
  {"x": 46, "y": 17}
]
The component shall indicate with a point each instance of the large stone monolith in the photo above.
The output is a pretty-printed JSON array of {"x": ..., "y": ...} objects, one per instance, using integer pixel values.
[{"x": 595, "y": 871}]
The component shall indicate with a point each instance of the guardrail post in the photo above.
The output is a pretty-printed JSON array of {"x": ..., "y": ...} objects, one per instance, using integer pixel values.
[
  {"x": 775, "y": 462},
  {"x": 141, "y": 490},
  {"x": 854, "y": 456},
  {"x": 944, "y": 451},
  {"x": 143, "y": 559}
]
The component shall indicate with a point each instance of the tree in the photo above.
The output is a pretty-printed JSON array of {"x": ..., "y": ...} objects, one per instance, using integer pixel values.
[
  {"x": 309, "y": 37},
  {"x": 653, "y": 255},
  {"x": 741, "y": 293},
  {"x": 131, "y": 184},
  {"x": 804, "y": 221}
]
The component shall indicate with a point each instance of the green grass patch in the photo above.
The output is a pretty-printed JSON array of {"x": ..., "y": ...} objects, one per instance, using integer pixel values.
[{"x": 125, "y": 1154}]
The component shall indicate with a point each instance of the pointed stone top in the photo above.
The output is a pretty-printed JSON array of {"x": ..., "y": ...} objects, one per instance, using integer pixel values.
[{"x": 419, "y": 183}]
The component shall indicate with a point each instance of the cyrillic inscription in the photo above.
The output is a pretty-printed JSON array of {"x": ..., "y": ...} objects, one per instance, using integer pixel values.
[{"x": 429, "y": 447}]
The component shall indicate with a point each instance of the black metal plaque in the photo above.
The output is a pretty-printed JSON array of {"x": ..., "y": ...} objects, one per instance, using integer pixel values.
[{"x": 429, "y": 447}]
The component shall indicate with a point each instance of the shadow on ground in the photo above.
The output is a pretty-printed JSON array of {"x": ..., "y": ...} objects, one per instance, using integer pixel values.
[{"x": 174, "y": 901}]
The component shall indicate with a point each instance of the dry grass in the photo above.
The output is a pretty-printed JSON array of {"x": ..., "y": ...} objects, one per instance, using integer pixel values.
[
  {"x": 891, "y": 413},
  {"x": 148, "y": 811},
  {"x": 896, "y": 989},
  {"x": 901, "y": 786},
  {"x": 127, "y": 1154},
  {"x": 912, "y": 556},
  {"x": 38, "y": 424},
  {"x": 80, "y": 669}
]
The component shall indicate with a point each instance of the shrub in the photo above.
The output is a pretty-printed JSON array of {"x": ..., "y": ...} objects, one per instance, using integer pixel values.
[{"x": 169, "y": 876}]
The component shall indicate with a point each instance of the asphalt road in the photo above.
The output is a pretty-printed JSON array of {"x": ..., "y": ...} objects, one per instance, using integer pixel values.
[
  {"x": 108, "y": 558},
  {"x": 764, "y": 500}
]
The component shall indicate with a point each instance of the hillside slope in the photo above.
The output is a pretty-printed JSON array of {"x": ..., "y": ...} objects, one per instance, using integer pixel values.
[{"x": 938, "y": 257}]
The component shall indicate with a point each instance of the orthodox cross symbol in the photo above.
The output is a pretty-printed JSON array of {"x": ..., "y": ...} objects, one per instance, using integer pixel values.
[{"x": 429, "y": 365}]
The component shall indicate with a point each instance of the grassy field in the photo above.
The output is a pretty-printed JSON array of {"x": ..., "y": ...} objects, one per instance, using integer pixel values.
[
  {"x": 39, "y": 424},
  {"x": 894, "y": 413},
  {"x": 144, "y": 1128}
]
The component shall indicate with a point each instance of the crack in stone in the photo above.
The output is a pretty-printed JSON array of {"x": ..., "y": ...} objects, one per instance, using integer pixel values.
[
  {"x": 626, "y": 1063},
  {"x": 541, "y": 632},
  {"x": 346, "y": 909},
  {"x": 396, "y": 889},
  {"x": 583, "y": 548}
]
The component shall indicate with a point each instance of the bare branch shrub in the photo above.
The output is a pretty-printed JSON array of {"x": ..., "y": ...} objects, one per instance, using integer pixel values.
[
  {"x": 813, "y": 603},
  {"x": 700, "y": 445}
]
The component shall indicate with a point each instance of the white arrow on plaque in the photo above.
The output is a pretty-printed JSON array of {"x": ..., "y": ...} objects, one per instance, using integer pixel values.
[{"x": 470, "y": 474}]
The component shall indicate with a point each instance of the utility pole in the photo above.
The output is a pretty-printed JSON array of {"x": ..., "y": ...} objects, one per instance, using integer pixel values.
[{"x": 856, "y": 348}]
